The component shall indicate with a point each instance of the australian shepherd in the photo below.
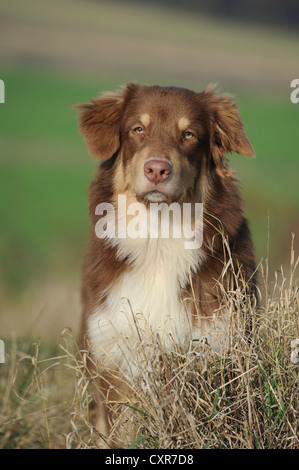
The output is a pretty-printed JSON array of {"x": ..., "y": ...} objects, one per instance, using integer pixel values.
[{"x": 162, "y": 152}]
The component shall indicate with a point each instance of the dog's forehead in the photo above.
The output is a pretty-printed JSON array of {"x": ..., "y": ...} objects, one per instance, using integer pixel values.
[{"x": 155, "y": 102}]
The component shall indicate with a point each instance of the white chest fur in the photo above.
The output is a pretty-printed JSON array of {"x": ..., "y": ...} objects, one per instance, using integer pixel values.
[{"x": 144, "y": 301}]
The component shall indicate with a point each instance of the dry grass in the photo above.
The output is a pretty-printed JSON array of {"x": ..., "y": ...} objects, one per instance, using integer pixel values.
[{"x": 246, "y": 397}]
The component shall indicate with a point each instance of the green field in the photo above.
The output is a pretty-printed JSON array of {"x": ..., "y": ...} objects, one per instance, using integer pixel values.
[
  {"x": 55, "y": 55},
  {"x": 45, "y": 171}
]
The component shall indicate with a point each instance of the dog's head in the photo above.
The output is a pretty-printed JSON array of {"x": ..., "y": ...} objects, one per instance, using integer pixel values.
[{"x": 165, "y": 138}]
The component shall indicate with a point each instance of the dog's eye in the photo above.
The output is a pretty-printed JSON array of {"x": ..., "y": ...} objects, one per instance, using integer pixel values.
[
  {"x": 138, "y": 130},
  {"x": 187, "y": 135}
]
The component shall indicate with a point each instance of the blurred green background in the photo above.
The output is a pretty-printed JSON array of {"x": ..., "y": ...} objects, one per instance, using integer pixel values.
[{"x": 59, "y": 53}]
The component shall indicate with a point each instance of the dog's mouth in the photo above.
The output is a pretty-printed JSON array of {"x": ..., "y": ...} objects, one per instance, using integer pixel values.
[
  {"x": 155, "y": 195},
  {"x": 152, "y": 196}
]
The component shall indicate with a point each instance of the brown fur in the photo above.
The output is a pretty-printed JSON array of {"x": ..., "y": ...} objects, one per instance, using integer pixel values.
[{"x": 201, "y": 174}]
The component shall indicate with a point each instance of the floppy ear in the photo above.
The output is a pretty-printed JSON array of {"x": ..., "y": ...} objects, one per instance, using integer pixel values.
[
  {"x": 101, "y": 120},
  {"x": 227, "y": 130}
]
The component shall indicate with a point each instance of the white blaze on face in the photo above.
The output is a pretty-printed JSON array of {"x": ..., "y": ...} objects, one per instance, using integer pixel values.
[
  {"x": 183, "y": 123},
  {"x": 145, "y": 119}
]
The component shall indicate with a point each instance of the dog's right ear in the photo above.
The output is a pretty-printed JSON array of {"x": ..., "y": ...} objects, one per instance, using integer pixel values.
[{"x": 100, "y": 121}]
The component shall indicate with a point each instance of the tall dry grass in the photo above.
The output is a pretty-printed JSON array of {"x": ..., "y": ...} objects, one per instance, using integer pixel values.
[{"x": 244, "y": 397}]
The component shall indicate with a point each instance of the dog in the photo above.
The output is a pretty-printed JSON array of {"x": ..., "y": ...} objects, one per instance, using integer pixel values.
[{"x": 160, "y": 146}]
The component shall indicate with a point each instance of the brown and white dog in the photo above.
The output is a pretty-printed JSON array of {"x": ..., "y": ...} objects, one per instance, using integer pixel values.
[{"x": 160, "y": 145}]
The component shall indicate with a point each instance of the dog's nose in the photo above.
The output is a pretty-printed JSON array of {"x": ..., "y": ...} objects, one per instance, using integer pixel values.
[{"x": 157, "y": 171}]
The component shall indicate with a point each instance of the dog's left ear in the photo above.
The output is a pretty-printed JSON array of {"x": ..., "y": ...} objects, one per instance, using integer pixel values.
[{"x": 227, "y": 132}]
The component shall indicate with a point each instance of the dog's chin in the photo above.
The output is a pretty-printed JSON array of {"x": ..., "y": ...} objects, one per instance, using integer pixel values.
[{"x": 157, "y": 196}]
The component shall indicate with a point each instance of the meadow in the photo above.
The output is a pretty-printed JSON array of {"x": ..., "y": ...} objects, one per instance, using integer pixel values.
[
  {"x": 53, "y": 57},
  {"x": 45, "y": 172},
  {"x": 244, "y": 397}
]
